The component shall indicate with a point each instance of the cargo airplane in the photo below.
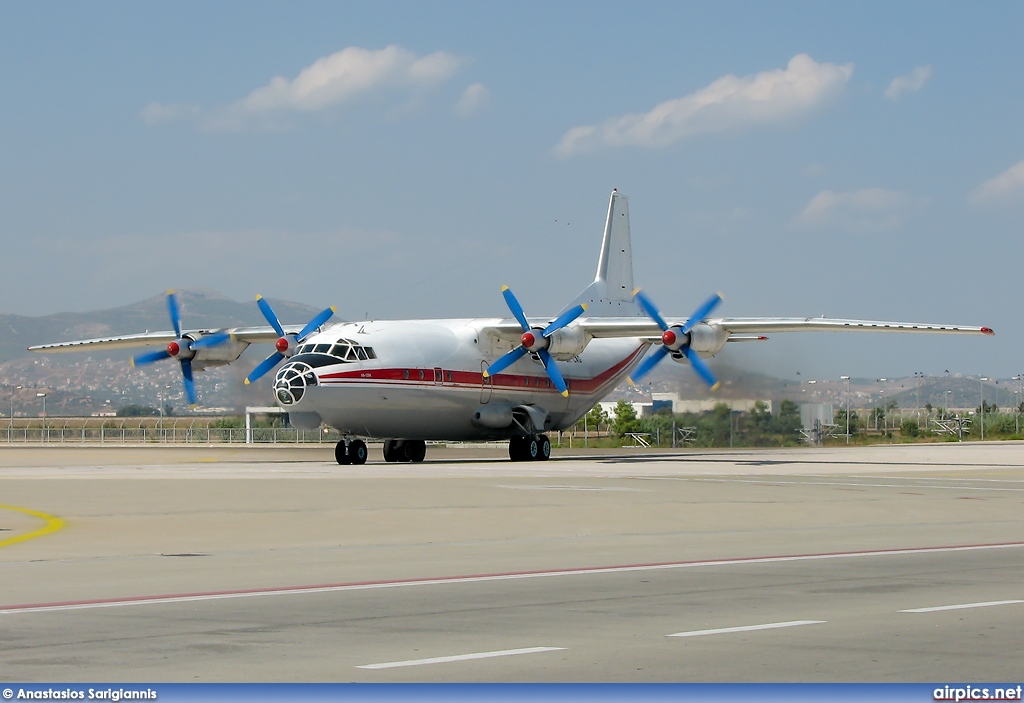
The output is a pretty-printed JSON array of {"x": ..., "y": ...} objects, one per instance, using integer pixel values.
[{"x": 519, "y": 378}]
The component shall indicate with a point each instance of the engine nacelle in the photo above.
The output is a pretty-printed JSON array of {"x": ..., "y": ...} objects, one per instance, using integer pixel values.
[
  {"x": 496, "y": 416},
  {"x": 568, "y": 342},
  {"x": 707, "y": 340},
  {"x": 218, "y": 355}
]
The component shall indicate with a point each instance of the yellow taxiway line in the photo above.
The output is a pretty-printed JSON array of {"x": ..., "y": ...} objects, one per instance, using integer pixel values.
[{"x": 52, "y": 525}]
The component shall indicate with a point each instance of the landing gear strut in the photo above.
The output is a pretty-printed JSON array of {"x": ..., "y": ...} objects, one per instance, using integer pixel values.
[
  {"x": 405, "y": 450},
  {"x": 533, "y": 448},
  {"x": 353, "y": 452}
]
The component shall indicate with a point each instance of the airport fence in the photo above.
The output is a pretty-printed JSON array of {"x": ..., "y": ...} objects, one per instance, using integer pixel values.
[{"x": 79, "y": 430}]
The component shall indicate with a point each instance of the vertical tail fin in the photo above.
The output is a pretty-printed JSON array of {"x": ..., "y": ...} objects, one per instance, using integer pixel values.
[{"x": 611, "y": 293}]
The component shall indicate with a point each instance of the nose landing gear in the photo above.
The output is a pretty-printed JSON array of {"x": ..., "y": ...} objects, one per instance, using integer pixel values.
[{"x": 350, "y": 452}]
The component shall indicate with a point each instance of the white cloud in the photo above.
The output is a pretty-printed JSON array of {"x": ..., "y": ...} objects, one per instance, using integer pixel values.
[
  {"x": 474, "y": 98},
  {"x": 865, "y": 210},
  {"x": 910, "y": 83},
  {"x": 1007, "y": 185},
  {"x": 731, "y": 102},
  {"x": 344, "y": 77}
]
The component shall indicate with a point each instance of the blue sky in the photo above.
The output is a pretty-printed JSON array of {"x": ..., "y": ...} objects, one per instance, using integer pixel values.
[{"x": 406, "y": 159}]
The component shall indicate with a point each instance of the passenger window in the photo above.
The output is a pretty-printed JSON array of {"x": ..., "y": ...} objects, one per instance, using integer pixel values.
[
  {"x": 422, "y": 376},
  {"x": 405, "y": 374}
]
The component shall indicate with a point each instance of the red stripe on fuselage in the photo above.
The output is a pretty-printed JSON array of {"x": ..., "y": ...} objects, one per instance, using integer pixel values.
[{"x": 475, "y": 379}]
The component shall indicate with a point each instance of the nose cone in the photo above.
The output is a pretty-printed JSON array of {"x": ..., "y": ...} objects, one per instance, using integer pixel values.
[{"x": 292, "y": 381}]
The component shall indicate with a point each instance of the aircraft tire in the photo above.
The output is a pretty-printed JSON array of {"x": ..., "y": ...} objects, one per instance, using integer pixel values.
[
  {"x": 357, "y": 452},
  {"x": 341, "y": 453},
  {"x": 545, "y": 448},
  {"x": 416, "y": 450},
  {"x": 391, "y": 454},
  {"x": 515, "y": 449},
  {"x": 531, "y": 449}
]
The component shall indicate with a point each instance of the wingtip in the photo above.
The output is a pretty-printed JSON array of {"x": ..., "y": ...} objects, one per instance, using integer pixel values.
[{"x": 988, "y": 330}]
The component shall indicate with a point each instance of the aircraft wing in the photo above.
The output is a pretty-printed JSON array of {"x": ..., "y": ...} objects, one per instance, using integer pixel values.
[
  {"x": 739, "y": 328},
  {"x": 247, "y": 335}
]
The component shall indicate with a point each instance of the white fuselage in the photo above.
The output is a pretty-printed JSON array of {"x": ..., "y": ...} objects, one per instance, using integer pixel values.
[{"x": 423, "y": 379}]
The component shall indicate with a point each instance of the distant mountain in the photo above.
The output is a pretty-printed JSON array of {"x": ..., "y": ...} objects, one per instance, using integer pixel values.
[{"x": 200, "y": 308}]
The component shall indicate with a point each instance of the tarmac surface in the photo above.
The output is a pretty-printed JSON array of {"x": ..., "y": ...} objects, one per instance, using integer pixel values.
[{"x": 146, "y": 564}]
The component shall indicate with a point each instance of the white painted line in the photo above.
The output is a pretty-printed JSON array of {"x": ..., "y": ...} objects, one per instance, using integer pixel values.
[
  {"x": 460, "y": 657},
  {"x": 484, "y": 578},
  {"x": 746, "y": 628},
  {"x": 962, "y": 606}
]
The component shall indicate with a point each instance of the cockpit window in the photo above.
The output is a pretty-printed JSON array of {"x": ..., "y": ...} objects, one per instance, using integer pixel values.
[{"x": 344, "y": 350}]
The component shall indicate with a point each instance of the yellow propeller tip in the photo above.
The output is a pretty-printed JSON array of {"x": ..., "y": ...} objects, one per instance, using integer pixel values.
[
  {"x": 259, "y": 297},
  {"x": 486, "y": 375},
  {"x": 565, "y": 394},
  {"x": 583, "y": 305},
  {"x": 246, "y": 382},
  {"x": 504, "y": 288},
  {"x": 132, "y": 362},
  {"x": 631, "y": 381},
  {"x": 715, "y": 387},
  {"x": 170, "y": 291},
  {"x": 334, "y": 309},
  {"x": 635, "y": 291}
]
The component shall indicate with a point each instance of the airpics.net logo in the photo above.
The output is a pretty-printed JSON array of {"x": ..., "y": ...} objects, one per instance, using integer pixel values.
[{"x": 978, "y": 693}]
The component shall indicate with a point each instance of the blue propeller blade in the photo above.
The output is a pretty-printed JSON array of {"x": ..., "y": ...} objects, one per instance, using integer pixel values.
[
  {"x": 190, "y": 386},
  {"x": 564, "y": 319},
  {"x": 553, "y": 372},
  {"x": 647, "y": 305},
  {"x": 211, "y": 340},
  {"x": 648, "y": 364},
  {"x": 505, "y": 361},
  {"x": 264, "y": 366},
  {"x": 268, "y": 312},
  {"x": 701, "y": 368},
  {"x": 702, "y": 312},
  {"x": 322, "y": 317},
  {"x": 172, "y": 307},
  {"x": 515, "y": 307},
  {"x": 150, "y": 357}
]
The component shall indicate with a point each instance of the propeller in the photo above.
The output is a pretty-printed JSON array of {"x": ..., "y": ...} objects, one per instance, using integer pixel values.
[
  {"x": 285, "y": 345},
  {"x": 182, "y": 349},
  {"x": 676, "y": 339},
  {"x": 535, "y": 341}
]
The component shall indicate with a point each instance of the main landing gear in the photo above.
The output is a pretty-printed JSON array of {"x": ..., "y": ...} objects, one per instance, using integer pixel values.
[
  {"x": 405, "y": 450},
  {"x": 533, "y": 448},
  {"x": 350, "y": 452}
]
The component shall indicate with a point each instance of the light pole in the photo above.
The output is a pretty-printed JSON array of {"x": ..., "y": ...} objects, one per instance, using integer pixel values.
[
  {"x": 1017, "y": 398},
  {"x": 13, "y": 390},
  {"x": 918, "y": 375},
  {"x": 43, "y": 396},
  {"x": 847, "y": 379},
  {"x": 981, "y": 388},
  {"x": 885, "y": 420}
]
